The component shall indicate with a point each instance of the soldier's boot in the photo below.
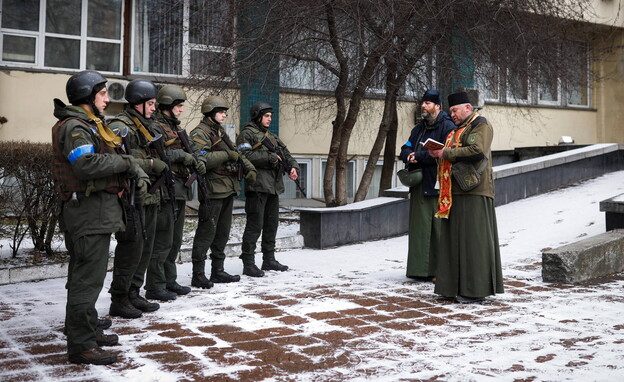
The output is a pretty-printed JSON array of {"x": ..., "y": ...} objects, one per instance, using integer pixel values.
[
  {"x": 140, "y": 302},
  {"x": 121, "y": 307},
  {"x": 218, "y": 275},
  {"x": 102, "y": 323},
  {"x": 106, "y": 339},
  {"x": 178, "y": 289},
  {"x": 270, "y": 264},
  {"x": 94, "y": 356},
  {"x": 199, "y": 280},
  {"x": 252, "y": 270},
  {"x": 160, "y": 294}
]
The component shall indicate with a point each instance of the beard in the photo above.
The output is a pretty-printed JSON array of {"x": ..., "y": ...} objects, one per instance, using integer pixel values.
[{"x": 427, "y": 115}]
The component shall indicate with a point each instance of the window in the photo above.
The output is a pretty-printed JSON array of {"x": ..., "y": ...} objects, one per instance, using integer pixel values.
[
  {"x": 183, "y": 38},
  {"x": 577, "y": 83},
  {"x": 350, "y": 178},
  {"x": 548, "y": 89},
  {"x": 373, "y": 189},
  {"x": 488, "y": 81},
  {"x": 291, "y": 190},
  {"x": 67, "y": 34}
]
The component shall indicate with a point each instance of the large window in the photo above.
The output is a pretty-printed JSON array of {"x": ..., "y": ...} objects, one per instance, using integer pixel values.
[
  {"x": 349, "y": 178},
  {"x": 66, "y": 34},
  {"x": 183, "y": 38},
  {"x": 291, "y": 190}
]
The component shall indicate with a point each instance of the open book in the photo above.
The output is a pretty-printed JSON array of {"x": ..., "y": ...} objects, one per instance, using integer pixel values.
[{"x": 432, "y": 144}]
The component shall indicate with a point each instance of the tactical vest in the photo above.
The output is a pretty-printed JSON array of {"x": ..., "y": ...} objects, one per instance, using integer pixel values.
[
  {"x": 65, "y": 180},
  {"x": 173, "y": 142}
]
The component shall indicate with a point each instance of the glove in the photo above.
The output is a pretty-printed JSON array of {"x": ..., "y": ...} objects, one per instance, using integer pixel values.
[
  {"x": 189, "y": 159},
  {"x": 200, "y": 167},
  {"x": 134, "y": 170},
  {"x": 158, "y": 166},
  {"x": 142, "y": 186},
  {"x": 250, "y": 178},
  {"x": 273, "y": 159},
  {"x": 233, "y": 155}
]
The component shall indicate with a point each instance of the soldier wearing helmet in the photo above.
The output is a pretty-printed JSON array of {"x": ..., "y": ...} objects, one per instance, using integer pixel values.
[
  {"x": 262, "y": 198},
  {"x": 162, "y": 272},
  {"x": 225, "y": 171},
  {"x": 90, "y": 173},
  {"x": 133, "y": 250}
]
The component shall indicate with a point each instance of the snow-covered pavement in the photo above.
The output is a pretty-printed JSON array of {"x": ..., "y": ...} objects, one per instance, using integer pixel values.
[{"x": 349, "y": 313}]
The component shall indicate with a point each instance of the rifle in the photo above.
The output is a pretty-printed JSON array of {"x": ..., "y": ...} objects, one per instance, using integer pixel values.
[
  {"x": 201, "y": 180},
  {"x": 137, "y": 217},
  {"x": 240, "y": 161},
  {"x": 158, "y": 144},
  {"x": 284, "y": 166}
]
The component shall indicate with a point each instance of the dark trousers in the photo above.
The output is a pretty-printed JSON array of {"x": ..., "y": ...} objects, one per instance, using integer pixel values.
[
  {"x": 151, "y": 214},
  {"x": 213, "y": 231},
  {"x": 128, "y": 252},
  {"x": 262, "y": 211},
  {"x": 168, "y": 239},
  {"x": 89, "y": 260}
]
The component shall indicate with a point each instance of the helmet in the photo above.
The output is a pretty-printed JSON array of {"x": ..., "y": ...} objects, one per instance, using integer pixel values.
[
  {"x": 213, "y": 102},
  {"x": 259, "y": 109},
  {"x": 81, "y": 85},
  {"x": 139, "y": 91},
  {"x": 169, "y": 94}
]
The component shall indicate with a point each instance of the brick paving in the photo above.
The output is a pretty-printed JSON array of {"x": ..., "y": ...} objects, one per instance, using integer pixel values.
[{"x": 331, "y": 328}]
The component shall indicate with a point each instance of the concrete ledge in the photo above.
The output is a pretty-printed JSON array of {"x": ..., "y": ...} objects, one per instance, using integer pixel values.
[
  {"x": 367, "y": 220},
  {"x": 614, "y": 212},
  {"x": 57, "y": 270},
  {"x": 591, "y": 258}
]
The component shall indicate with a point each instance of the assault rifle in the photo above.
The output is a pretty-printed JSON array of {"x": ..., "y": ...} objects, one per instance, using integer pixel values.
[
  {"x": 284, "y": 166},
  {"x": 158, "y": 145},
  {"x": 201, "y": 180},
  {"x": 136, "y": 212},
  {"x": 240, "y": 161}
]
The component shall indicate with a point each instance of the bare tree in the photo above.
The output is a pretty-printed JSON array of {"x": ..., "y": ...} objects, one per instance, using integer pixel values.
[{"x": 348, "y": 45}]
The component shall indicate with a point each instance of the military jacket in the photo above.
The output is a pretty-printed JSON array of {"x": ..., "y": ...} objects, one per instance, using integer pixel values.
[
  {"x": 139, "y": 145},
  {"x": 224, "y": 175},
  {"x": 168, "y": 127},
  {"x": 476, "y": 142},
  {"x": 249, "y": 143},
  {"x": 78, "y": 143}
]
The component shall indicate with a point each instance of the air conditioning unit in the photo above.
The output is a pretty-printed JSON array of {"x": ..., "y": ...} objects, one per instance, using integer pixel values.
[{"x": 116, "y": 91}]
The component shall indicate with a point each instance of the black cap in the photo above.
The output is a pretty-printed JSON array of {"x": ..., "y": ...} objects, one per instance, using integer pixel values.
[
  {"x": 432, "y": 95},
  {"x": 458, "y": 99}
]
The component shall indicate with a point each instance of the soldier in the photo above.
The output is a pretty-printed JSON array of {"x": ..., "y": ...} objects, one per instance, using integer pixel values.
[
  {"x": 262, "y": 199},
  {"x": 133, "y": 250},
  {"x": 162, "y": 272},
  {"x": 225, "y": 171},
  {"x": 90, "y": 174}
]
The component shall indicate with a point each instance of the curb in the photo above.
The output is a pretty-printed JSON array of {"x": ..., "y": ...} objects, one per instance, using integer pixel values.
[{"x": 57, "y": 270}]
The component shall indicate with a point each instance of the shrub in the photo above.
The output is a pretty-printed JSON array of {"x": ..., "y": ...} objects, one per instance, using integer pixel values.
[{"x": 27, "y": 192}]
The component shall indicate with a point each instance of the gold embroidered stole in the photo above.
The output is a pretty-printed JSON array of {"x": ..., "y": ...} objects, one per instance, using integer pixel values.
[{"x": 445, "y": 200}]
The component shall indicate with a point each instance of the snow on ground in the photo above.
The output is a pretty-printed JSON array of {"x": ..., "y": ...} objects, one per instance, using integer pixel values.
[{"x": 534, "y": 331}]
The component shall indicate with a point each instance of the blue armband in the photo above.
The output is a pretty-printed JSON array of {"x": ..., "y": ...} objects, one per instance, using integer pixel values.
[
  {"x": 244, "y": 146},
  {"x": 408, "y": 144},
  {"x": 80, "y": 151}
]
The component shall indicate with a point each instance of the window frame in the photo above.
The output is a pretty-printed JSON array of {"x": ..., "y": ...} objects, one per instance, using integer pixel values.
[{"x": 40, "y": 35}]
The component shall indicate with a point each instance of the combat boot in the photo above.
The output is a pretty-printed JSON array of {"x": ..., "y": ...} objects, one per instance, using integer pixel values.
[
  {"x": 218, "y": 275},
  {"x": 121, "y": 307},
  {"x": 140, "y": 302},
  {"x": 106, "y": 339},
  {"x": 160, "y": 294},
  {"x": 94, "y": 356},
  {"x": 252, "y": 270},
  {"x": 178, "y": 289},
  {"x": 199, "y": 280},
  {"x": 273, "y": 265}
]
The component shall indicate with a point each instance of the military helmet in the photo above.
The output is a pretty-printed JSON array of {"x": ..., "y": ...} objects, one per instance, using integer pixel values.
[
  {"x": 169, "y": 94},
  {"x": 139, "y": 91},
  {"x": 259, "y": 109},
  {"x": 213, "y": 102},
  {"x": 80, "y": 86}
]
